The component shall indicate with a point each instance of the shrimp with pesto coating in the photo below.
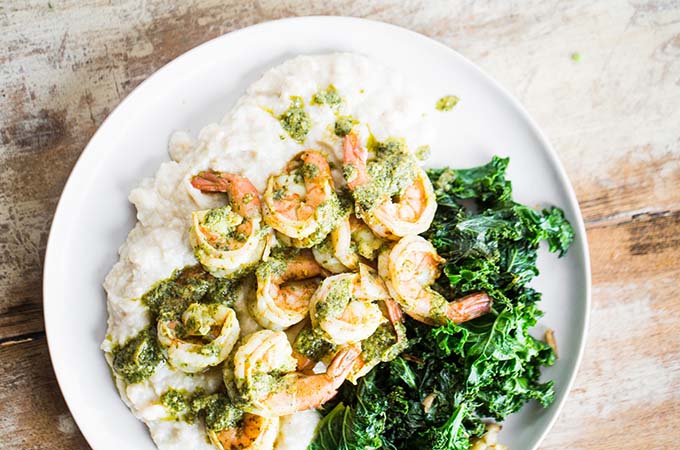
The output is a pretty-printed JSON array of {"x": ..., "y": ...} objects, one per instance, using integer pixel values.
[
  {"x": 253, "y": 433},
  {"x": 232, "y": 238},
  {"x": 392, "y": 194},
  {"x": 409, "y": 268},
  {"x": 300, "y": 202},
  {"x": 203, "y": 337},
  {"x": 344, "y": 306},
  {"x": 266, "y": 380},
  {"x": 285, "y": 283},
  {"x": 349, "y": 242}
]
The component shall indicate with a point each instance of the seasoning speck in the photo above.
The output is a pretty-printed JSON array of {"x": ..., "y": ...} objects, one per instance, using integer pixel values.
[
  {"x": 447, "y": 103},
  {"x": 576, "y": 57}
]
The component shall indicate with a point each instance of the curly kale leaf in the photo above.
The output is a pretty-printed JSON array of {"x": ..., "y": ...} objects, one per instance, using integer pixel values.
[
  {"x": 484, "y": 184},
  {"x": 358, "y": 426},
  {"x": 491, "y": 245}
]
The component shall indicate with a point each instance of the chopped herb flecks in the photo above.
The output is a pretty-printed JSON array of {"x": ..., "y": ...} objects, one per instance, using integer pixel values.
[{"x": 447, "y": 103}]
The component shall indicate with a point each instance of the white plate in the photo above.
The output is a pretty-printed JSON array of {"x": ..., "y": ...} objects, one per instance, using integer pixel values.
[{"x": 94, "y": 216}]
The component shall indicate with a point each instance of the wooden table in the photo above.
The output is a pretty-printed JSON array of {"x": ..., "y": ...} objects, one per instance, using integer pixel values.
[{"x": 601, "y": 78}]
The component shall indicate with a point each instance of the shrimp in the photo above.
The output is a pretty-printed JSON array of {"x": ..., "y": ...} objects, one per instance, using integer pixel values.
[
  {"x": 310, "y": 347},
  {"x": 300, "y": 203},
  {"x": 285, "y": 284},
  {"x": 344, "y": 307},
  {"x": 232, "y": 238},
  {"x": 266, "y": 380},
  {"x": 344, "y": 247},
  {"x": 409, "y": 268},
  {"x": 366, "y": 243},
  {"x": 184, "y": 343},
  {"x": 385, "y": 344},
  {"x": 254, "y": 433},
  {"x": 388, "y": 341},
  {"x": 392, "y": 194}
]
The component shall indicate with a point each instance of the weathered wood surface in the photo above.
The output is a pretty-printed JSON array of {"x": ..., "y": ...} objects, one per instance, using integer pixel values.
[{"x": 613, "y": 116}]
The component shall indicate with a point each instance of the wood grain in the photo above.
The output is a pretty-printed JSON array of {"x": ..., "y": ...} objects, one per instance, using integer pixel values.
[
  {"x": 612, "y": 116},
  {"x": 33, "y": 414}
]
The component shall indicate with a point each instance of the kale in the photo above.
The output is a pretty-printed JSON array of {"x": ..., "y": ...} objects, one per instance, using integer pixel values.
[
  {"x": 452, "y": 378},
  {"x": 357, "y": 427},
  {"x": 490, "y": 245}
]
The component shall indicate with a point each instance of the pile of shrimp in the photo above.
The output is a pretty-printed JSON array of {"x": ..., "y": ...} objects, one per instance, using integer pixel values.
[{"x": 335, "y": 273}]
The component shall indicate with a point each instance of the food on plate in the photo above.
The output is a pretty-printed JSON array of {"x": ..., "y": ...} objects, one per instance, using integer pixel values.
[
  {"x": 409, "y": 268},
  {"x": 286, "y": 281},
  {"x": 300, "y": 202},
  {"x": 446, "y": 103},
  {"x": 392, "y": 194},
  {"x": 231, "y": 238},
  {"x": 268, "y": 384},
  {"x": 297, "y": 280}
]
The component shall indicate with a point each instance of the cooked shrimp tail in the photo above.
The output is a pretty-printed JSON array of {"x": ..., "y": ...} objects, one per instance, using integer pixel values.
[
  {"x": 266, "y": 378},
  {"x": 304, "y": 364},
  {"x": 400, "y": 200},
  {"x": 229, "y": 239},
  {"x": 469, "y": 307},
  {"x": 243, "y": 196},
  {"x": 395, "y": 316},
  {"x": 210, "y": 181},
  {"x": 354, "y": 158},
  {"x": 409, "y": 268},
  {"x": 303, "y": 392},
  {"x": 394, "y": 312}
]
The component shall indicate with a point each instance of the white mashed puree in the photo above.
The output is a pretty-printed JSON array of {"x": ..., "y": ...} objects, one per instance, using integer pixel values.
[{"x": 249, "y": 141}]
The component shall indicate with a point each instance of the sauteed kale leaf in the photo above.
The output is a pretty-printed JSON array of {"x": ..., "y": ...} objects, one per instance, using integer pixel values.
[
  {"x": 489, "y": 241},
  {"x": 450, "y": 378}
]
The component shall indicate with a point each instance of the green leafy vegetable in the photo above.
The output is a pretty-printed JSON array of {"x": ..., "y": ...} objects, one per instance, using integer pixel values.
[
  {"x": 358, "y": 427},
  {"x": 486, "y": 368}
]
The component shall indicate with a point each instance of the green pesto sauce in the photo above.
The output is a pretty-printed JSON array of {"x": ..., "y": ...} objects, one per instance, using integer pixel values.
[
  {"x": 138, "y": 358},
  {"x": 295, "y": 120},
  {"x": 336, "y": 300},
  {"x": 309, "y": 171},
  {"x": 391, "y": 171},
  {"x": 224, "y": 222},
  {"x": 199, "y": 320},
  {"x": 260, "y": 384},
  {"x": 327, "y": 215},
  {"x": 272, "y": 267},
  {"x": 349, "y": 172},
  {"x": 439, "y": 307},
  {"x": 343, "y": 125},
  {"x": 383, "y": 345},
  {"x": 423, "y": 152},
  {"x": 222, "y": 217},
  {"x": 169, "y": 298},
  {"x": 217, "y": 411},
  {"x": 368, "y": 248},
  {"x": 344, "y": 200},
  {"x": 328, "y": 96},
  {"x": 279, "y": 193},
  {"x": 310, "y": 343},
  {"x": 447, "y": 103},
  {"x": 277, "y": 263},
  {"x": 175, "y": 402}
]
